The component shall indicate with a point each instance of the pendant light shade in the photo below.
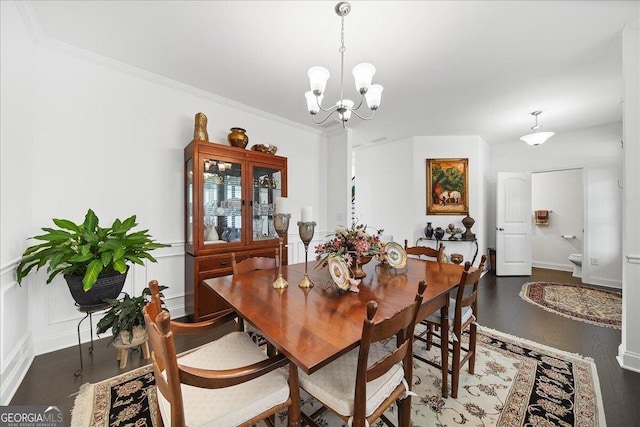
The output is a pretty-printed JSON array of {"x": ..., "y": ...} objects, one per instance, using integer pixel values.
[{"x": 536, "y": 138}]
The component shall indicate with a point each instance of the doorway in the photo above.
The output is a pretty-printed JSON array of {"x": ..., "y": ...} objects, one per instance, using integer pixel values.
[{"x": 560, "y": 193}]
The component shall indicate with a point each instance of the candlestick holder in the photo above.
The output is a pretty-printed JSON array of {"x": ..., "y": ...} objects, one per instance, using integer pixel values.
[
  {"x": 306, "y": 229},
  {"x": 281, "y": 224}
]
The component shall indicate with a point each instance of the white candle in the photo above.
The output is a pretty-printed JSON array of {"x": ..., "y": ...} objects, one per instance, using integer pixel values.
[
  {"x": 306, "y": 214},
  {"x": 281, "y": 205}
]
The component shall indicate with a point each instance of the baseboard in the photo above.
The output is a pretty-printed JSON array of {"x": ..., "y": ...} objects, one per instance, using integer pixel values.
[
  {"x": 628, "y": 360},
  {"x": 604, "y": 282},
  {"x": 551, "y": 266}
]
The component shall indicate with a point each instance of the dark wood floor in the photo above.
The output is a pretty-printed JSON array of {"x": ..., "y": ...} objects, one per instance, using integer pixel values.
[{"x": 50, "y": 380}]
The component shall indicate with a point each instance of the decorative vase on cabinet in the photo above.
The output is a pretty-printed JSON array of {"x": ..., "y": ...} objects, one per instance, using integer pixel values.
[
  {"x": 238, "y": 138},
  {"x": 226, "y": 212}
]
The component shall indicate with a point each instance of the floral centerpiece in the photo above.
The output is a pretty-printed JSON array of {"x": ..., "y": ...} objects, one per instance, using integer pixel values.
[{"x": 355, "y": 245}]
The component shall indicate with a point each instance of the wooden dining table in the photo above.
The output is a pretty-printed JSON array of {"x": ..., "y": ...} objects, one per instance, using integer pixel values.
[{"x": 314, "y": 326}]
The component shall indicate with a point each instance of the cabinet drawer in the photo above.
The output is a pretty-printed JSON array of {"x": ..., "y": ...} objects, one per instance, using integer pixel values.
[{"x": 216, "y": 262}]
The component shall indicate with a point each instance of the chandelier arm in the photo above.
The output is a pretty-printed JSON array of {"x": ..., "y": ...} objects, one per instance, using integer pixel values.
[
  {"x": 359, "y": 105},
  {"x": 323, "y": 120},
  {"x": 330, "y": 109},
  {"x": 373, "y": 113}
]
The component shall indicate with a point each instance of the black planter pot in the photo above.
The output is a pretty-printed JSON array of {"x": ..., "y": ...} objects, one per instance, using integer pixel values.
[{"x": 108, "y": 285}]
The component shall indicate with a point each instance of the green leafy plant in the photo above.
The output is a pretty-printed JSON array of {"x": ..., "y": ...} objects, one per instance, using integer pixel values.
[
  {"x": 87, "y": 249},
  {"x": 125, "y": 313}
]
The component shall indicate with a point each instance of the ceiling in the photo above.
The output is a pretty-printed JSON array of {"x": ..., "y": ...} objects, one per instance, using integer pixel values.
[{"x": 448, "y": 67}]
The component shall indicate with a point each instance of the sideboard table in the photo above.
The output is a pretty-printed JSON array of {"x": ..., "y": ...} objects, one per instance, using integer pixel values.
[{"x": 447, "y": 241}]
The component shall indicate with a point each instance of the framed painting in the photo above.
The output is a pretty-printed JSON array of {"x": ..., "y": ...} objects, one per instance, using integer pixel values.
[{"x": 447, "y": 186}]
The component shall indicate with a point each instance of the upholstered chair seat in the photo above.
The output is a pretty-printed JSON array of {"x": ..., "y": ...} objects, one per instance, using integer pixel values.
[
  {"x": 234, "y": 405},
  {"x": 335, "y": 384}
]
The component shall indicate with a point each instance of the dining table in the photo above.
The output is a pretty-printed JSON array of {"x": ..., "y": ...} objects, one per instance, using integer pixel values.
[{"x": 315, "y": 326}]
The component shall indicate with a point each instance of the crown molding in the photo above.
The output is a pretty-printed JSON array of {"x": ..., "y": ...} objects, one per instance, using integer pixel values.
[{"x": 35, "y": 30}]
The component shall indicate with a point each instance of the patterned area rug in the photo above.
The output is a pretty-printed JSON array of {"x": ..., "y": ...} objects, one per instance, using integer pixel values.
[
  {"x": 591, "y": 305},
  {"x": 516, "y": 383}
]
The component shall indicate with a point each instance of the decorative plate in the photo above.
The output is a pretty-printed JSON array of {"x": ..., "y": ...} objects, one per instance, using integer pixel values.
[
  {"x": 339, "y": 272},
  {"x": 395, "y": 255}
]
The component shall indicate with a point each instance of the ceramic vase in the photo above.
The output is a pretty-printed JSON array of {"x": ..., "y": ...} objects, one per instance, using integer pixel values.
[
  {"x": 438, "y": 233},
  {"x": 468, "y": 222},
  {"x": 428, "y": 231},
  {"x": 238, "y": 138},
  {"x": 200, "y": 127}
]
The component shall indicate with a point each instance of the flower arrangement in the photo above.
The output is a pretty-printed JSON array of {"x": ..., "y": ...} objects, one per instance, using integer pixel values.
[{"x": 351, "y": 244}]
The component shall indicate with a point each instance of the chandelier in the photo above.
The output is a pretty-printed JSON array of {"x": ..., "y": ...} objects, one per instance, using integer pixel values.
[
  {"x": 362, "y": 73},
  {"x": 536, "y": 138}
]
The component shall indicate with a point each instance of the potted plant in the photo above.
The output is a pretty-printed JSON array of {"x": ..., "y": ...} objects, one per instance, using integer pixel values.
[
  {"x": 124, "y": 317},
  {"x": 92, "y": 259}
]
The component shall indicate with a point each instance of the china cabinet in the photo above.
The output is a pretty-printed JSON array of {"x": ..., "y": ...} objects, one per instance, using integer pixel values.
[{"x": 230, "y": 196}]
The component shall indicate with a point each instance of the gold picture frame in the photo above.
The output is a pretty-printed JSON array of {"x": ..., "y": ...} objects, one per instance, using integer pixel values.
[{"x": 447, "y": 187}]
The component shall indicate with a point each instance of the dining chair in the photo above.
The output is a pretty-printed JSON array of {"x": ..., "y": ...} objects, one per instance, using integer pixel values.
[
  {"x": 420, "y": 251},
  {"x": 360, "y": 385},
  {"x": 227, "y": 382},
  {"x": 245, "y": 266},
  {"x": 438, "y": 256},
  {"x": 253, "y": 263},
  {"x": 463, "y": 314}
]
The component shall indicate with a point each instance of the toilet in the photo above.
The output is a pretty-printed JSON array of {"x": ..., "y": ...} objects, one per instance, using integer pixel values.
[{"x": 576, "y": 259}]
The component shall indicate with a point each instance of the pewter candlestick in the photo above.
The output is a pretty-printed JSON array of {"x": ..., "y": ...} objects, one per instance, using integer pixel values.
[
  {"x": 281, "y": 224},
  {"x": 306, "y": 229}
]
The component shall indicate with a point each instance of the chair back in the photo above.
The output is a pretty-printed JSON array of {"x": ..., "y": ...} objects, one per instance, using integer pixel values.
[
  {"x": 253, "y": 263},
  {"x": 421, "y": 251},
  {"x": 464, "y": 298},
  {"x": 400, "y": 325},
  {"x": 164, "y": 359}
]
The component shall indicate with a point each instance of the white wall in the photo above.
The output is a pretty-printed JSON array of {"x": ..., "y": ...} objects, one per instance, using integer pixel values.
[
  {"x": 598, "y": 151},
  {"x": 16, "y": 150},
  {"x": 561, "y": 193},
  {"x": 629, "y": 351},
  {"x": 79, "y": 132},
  {"x": 391, "y": 187}
]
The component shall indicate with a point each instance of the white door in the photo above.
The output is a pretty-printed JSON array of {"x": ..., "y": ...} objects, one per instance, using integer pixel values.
[{"x": 513, "y": 224}]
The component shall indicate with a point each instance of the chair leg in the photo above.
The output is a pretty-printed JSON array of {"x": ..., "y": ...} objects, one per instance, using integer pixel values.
[
  {"x": 472, "y": 347},
  {"x": 429, "y": 336},
  {"x": 404, "y": 412},
  {"x": 455, "y": 368}
]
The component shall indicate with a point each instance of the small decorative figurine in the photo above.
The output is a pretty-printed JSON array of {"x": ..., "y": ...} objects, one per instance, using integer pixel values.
[{"x": 200, "y": 128}]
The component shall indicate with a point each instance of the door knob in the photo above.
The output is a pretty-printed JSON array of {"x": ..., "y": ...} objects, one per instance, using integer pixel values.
[{"x": 500, "y": 229}]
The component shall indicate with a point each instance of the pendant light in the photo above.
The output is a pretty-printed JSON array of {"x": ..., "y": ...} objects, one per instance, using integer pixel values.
[{"x": 536, "y": 138}]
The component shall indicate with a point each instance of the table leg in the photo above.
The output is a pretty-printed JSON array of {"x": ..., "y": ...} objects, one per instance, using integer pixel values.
[
  {"x": 294, "y": 386},
  {"x": 444, "y": 347}
]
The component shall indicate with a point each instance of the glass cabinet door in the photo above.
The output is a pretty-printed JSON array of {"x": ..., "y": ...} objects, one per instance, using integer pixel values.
[
  {"x": 189, "y": 197},
  {"x": 267, "y": 186},
  {"x": 222, "y": 201}
]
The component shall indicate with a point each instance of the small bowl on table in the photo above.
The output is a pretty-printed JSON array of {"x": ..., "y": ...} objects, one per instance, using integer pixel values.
[{"x": 265, "y": 148}]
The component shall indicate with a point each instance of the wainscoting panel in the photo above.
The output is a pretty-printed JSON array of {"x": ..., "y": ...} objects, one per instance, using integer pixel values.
[
  {"x": 55, "y": 318},
  {"x": 16, "y": 344}
]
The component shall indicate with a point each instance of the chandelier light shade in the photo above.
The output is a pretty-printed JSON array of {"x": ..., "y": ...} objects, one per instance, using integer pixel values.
[
  {"x": 362, "y": 75},
  {"x": 536, "y": 138}
]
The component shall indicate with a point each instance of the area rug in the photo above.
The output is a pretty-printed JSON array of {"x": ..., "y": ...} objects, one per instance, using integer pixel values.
[
  {"x": 516, "y": 383},
  {"x": 586, "y": 304}
]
